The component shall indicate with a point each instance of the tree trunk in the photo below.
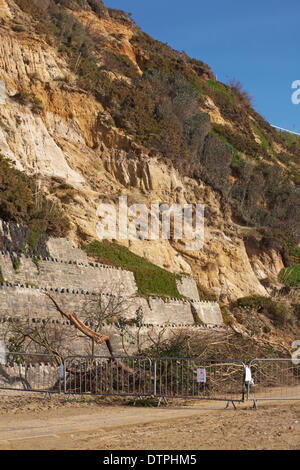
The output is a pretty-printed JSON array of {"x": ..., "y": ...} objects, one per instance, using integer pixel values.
[{"x": 95, "y": 337}]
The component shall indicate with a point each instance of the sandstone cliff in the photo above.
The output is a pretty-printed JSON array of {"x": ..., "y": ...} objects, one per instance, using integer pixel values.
[{"x": 52, "y": 127}]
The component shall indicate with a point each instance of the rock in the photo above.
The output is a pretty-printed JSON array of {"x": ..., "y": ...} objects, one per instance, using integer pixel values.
[{"x": 72, "y": 140}]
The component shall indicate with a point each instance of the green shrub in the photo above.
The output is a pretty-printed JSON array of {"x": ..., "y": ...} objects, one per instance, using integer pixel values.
[
  {"x": 239, "y": 91},
  {"x": 239, "y": 141},
  {"x": 17, "y": 203},
  {"x": 176, "y": 346},
  {"x": 216, "y": 160},
  {"x": 291, "y": 276},
  {"x": 121, "y": 16},
  {"x": 292, "y": 141},
  {"x": 237, "y": 160},
  {"x": 263, "y": 139},
  {"x": 32, "y": 240},
  {"x": 297, "y": 310},
  {"x": 219, "y": 88},
  {"x": 98, "y": 7},
  {"x": 277, "y": 312},
  {"x": 29, "y": 248},
  {"x": 226, "y": 315},
  {"x": 32, "y": 8},
  {"x": 294, "y": 250},
  {"x": 15, "y": 262},
  {"x": 205, "y": 294}
]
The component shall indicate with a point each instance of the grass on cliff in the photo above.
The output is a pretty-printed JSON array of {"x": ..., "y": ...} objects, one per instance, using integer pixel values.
[
  {"x": 294, "y": 250},
  {"x": 263, "y": 139},
  {"x": 218, "y": 87},
  {"x": 291, "y": 276},
  {"x": 150, "y": 279}
]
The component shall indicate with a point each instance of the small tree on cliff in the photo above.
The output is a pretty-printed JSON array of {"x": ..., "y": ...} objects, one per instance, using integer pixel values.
[
  {"x": 110, "y": 309},
  {"x": 44, "y": 337},
  {"x": 51, "y": 337}
]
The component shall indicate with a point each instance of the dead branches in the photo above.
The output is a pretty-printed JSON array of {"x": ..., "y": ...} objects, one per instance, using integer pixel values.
[{"x": 98, "y": 338}]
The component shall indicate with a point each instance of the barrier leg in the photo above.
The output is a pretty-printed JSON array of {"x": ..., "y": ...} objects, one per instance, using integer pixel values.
[
  {"x": 160, "y": 400},
  {"x": 138, "y": 397},
  {"x": 228, "y": 403},
  {"x": 47, "y": 394}
]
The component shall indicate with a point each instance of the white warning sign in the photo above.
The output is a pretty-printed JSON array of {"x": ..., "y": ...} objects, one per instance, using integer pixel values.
[
  {"x": 248, "y": 376},
  {"x": 61, "y": 371},
  {"x": 201, "y": 375},
  {"x": 2, "y": 352}
]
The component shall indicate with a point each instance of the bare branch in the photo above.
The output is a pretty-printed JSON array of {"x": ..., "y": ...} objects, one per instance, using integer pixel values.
[{"x": 98, "y": 338}]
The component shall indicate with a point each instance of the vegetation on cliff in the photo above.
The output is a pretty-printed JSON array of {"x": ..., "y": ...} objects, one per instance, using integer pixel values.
[
  {"x": 150, "y": 279},
  {"x": 163, "y": 100},
  {"x": 254, "y": 167},
  {"x": 278, "y": 312},
  {"x": 22, "y": 202},
  {"x": 290, "y": 276}
]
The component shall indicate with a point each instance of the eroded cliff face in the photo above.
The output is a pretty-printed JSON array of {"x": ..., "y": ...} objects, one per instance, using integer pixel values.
[{"x": 61, "y": 134}]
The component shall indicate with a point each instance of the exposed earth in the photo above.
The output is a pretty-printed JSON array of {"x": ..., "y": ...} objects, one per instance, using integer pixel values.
[{"x": 30, "y": 422}]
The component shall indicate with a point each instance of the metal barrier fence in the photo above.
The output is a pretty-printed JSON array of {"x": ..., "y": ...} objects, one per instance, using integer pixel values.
[
  {"x": 190, "y": 378},
  {"x": 102, "y": 375},
  {"x": 274, "y": 379},
  {"x": 200, "y": 379},
  {"x": 31, "y": 372}
]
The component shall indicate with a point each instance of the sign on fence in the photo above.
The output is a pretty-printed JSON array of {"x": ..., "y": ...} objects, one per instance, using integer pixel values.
[
  {"x": 248, "y": 376},
  {"x": 207, "y": 379},
  {"x": 274, "y": 379},
  {"x": 191, "y": 378},
  {"x": 2, "y": 352},
  {"x": 201, "y": 376},
  {"x": 61, "y": 371}
]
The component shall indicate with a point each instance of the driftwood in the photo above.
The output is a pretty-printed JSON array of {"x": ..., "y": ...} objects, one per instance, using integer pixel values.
[{"x": 98, "y": 338}]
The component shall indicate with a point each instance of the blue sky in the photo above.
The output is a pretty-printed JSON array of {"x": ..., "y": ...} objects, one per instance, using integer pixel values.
[{"x": 256, "y": 42}]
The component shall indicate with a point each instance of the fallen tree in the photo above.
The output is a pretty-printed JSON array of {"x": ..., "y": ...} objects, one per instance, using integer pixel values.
[{"x": 98, "y": 338}]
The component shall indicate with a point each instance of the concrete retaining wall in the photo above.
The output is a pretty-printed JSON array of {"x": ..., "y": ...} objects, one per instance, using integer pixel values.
[
  {"x": 67, "y": 274},
  {"x": 78, "y": 284},
  {"x": 20, "y": 301}
]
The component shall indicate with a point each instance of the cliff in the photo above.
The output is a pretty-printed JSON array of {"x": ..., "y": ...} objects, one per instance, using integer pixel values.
[{"x": 95, "y": 109}]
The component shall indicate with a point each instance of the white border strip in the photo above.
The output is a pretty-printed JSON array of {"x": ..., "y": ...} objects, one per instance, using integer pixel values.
[{"x": 286, "y": 130}]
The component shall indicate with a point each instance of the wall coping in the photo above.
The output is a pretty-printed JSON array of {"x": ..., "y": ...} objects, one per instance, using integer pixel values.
[
  {"x": 70, "y": 291},
  {"x": 208, "y": 326},
  {"x": 61, "y": 261}
]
